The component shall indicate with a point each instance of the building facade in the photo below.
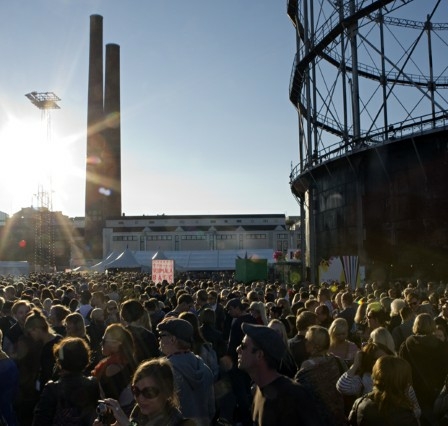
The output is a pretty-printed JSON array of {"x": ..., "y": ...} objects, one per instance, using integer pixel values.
[{"x": 201, "y": 232}]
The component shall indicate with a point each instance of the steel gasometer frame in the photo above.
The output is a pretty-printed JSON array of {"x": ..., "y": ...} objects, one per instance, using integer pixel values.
[{"x": 365, "y": 73}]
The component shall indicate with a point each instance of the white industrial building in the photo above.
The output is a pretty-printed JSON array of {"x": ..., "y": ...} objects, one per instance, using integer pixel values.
[{"x": 201, "y": 232}]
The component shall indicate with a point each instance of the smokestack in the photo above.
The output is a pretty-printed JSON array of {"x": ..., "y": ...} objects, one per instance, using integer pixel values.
[
  {"x": 95, "y": 141},
  {"x": 103, "y": 164},
  {"x": 113, "y": 129},
  {"x": 95, "y": 94}
]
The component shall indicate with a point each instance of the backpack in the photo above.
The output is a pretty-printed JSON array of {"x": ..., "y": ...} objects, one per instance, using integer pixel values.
[
  {"x": 65, "y": 413},
  {"x": 66, "y": 416}
]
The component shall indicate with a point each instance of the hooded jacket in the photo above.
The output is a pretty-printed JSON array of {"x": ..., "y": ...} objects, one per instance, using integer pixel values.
[{"x": 194, "y": 382}]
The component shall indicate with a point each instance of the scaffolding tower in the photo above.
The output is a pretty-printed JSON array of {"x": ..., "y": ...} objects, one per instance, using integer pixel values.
[{"x": 44, "y": 253}]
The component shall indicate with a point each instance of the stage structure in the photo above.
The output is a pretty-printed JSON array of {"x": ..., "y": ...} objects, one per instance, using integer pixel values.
[
  {"x": 44, "y": 253},
  {"x": 369, "y": 82}
]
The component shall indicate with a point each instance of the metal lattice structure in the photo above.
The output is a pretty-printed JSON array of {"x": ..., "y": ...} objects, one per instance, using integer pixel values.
[
  {"x": 365, "y": 73},
  {"x": 44, "y": 252}
]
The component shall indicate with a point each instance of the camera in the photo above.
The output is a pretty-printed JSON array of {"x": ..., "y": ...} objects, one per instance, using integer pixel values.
[{"x": 104, "y": 413}]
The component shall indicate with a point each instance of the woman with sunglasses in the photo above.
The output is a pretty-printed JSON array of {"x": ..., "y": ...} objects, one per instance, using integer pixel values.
[
  {"x": 115, "y": 371},
  {"x": 156, "y": 399},
  {"x": 112, "y": 314}
]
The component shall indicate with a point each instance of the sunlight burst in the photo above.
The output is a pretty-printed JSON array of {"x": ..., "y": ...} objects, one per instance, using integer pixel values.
[{"x": 33, "y": 157}]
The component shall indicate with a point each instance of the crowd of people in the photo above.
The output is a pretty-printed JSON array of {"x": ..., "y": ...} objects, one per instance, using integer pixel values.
[{"x": 122, "y": 350}]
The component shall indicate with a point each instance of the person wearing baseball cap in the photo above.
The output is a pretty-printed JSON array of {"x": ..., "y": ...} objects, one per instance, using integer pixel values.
[
  {"x": 194, "y": 380},
  {"x": 278, "y": 400}
]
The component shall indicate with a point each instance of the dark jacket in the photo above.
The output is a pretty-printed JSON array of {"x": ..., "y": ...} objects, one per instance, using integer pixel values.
[
  {"x": 349, "y": 315},
  {"x": 402, "y": 332},
  {"x": 114, "y": 385},
  {"x": 146, "y": 344},
  {"x": 236, "y": 335},
  {"x": 95, "y": 331},
  {"x": 298, "y": 350},
  {"x": 220, "y": 317},
  {"x": 215, "y": 337},
  {"x": 74, "y": 395},
  {"x": 284, "y": 402},
  {"x": 365, "y": 413},
  {"x": 428, "y": 357},
  {"x": 14, "y": 333},
  {"x": 47, "y": 361},
  {"x": 169, "y": 417}
]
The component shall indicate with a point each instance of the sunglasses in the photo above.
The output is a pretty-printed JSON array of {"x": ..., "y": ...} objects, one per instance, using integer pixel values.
[{"x": 149, "y": 392}]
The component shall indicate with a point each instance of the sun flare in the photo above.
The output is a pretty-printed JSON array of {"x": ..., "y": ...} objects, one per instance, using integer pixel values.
[{"x": 33, "y": 157}]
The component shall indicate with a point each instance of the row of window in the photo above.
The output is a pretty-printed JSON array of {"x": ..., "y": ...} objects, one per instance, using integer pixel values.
[
  {"x": 151, "y": 222},
  {"x": 158, "y": 237},
  {"x": 195, "y": 237},
  {"x": 125, "y": 238}
]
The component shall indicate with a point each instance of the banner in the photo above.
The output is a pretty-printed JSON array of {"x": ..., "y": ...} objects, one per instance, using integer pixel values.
[
  {"x": 342, "y": 268},
  {"x": 163, "y": 270}
]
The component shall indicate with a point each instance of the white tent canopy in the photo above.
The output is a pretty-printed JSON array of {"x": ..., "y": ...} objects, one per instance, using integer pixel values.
[
  {"x": 204, "y": 260},
  {"x": 101, "y": 266},
  {"x": 160, "y": 255},
  {"x": 195, "y": 260},
  {"x": 125, "y": 260}
]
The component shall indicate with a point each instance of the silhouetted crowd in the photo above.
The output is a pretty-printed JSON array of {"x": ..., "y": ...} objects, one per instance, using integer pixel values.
[{"x": 81, "y": 349}]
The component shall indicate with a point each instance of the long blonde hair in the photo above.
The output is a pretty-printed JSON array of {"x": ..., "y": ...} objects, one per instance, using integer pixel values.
[
  {"x": 339, "y": 325},
  {"x": 261, "y": 309},
  {"x": 383, "y": 339}
]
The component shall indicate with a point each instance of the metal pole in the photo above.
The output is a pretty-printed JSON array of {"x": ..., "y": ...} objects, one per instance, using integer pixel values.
[
  {"x": 383, "y": 74},
  {"x": 431, "y": 85},
  {"x": 353, "y": 30},
  {"x": 344, "y": 79}
]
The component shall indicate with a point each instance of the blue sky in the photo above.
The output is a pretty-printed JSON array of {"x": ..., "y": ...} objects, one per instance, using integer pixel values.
[{"x": 207, "y": 126}]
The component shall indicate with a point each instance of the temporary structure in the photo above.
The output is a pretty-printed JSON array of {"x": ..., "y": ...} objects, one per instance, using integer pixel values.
[{"x": 125, "y": 261}]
